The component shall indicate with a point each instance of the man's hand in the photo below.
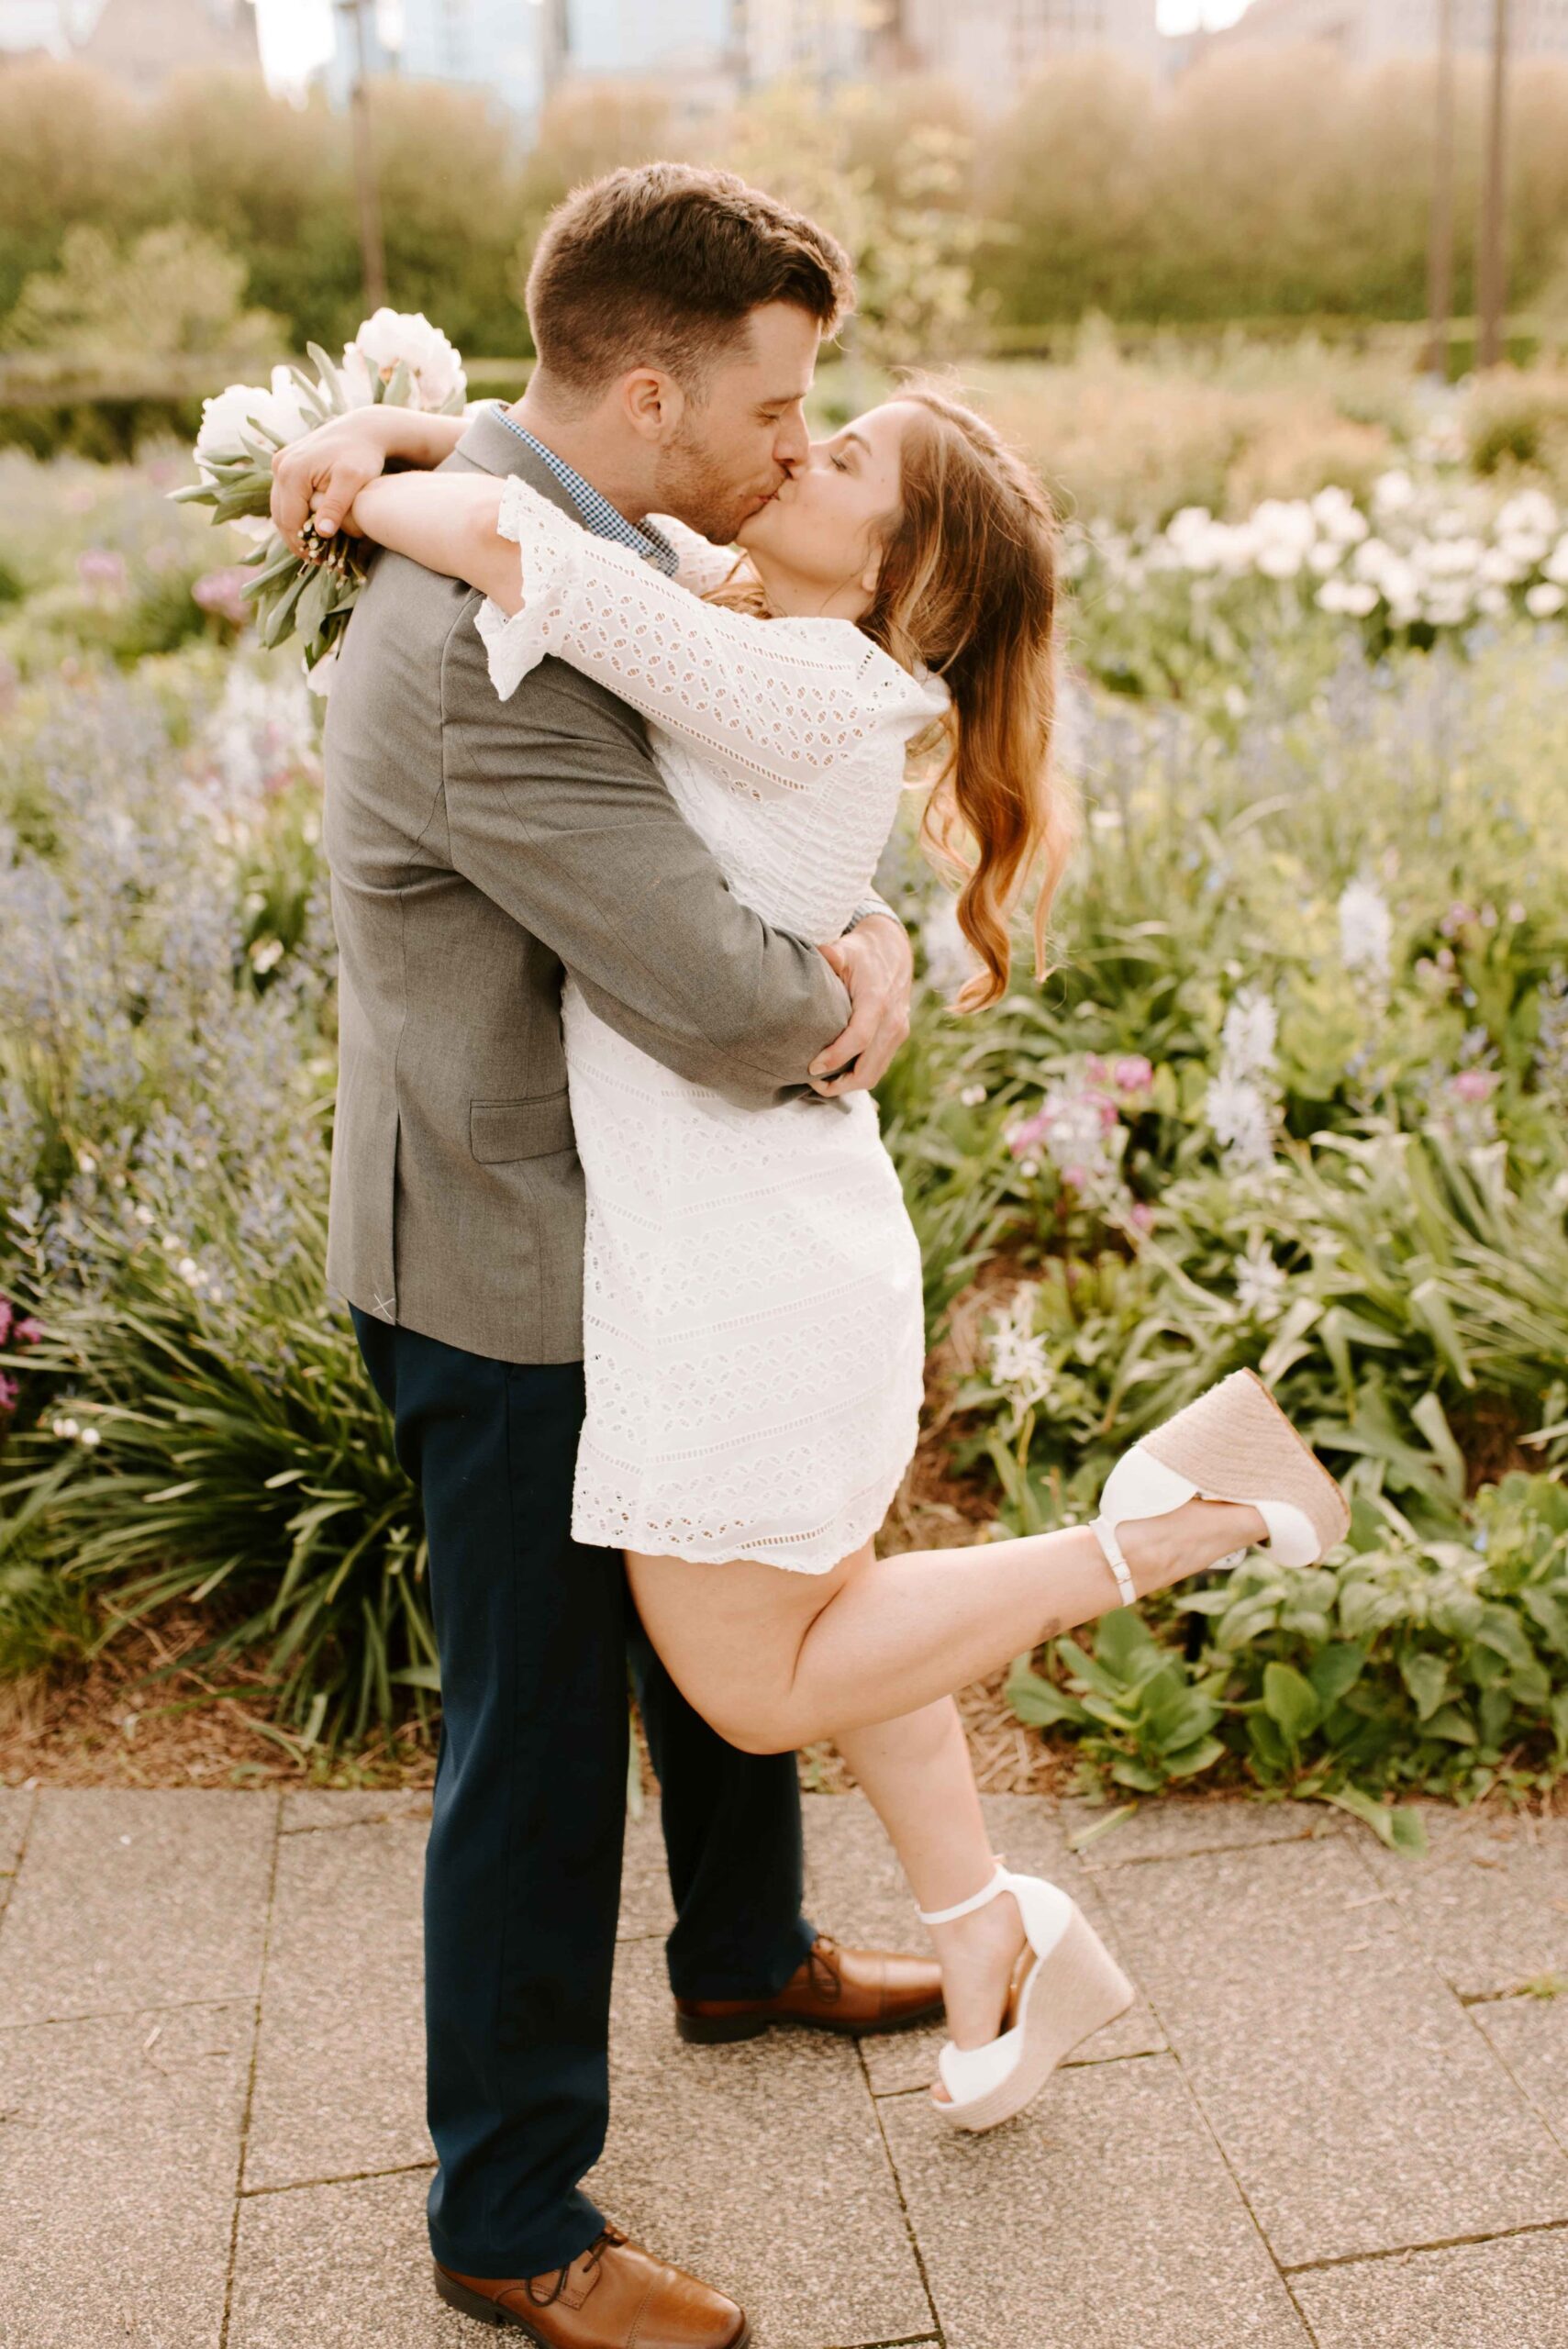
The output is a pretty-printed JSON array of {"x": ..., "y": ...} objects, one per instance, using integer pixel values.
[
  {"x": 876, "y": 963},
  {"x": 320, "y": 477}
]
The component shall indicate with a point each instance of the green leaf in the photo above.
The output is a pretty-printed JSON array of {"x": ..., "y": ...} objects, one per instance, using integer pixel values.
[
  {"x": 1336, "y": 1668},
  {"x": 1041, "y": 1702},
  {"x": 1425, "y": 1677},
  {"x": 1291, "y": 1701}
]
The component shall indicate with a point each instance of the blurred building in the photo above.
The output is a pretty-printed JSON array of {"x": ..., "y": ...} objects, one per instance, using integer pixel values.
[
  {"x": 991, "y": 47},
  {"x": 137, "y": 43},
  {"x": 499, "y": 44},
  {"x": 1367, "y": 31}
]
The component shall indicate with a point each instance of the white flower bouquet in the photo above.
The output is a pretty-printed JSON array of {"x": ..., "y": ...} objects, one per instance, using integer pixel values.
[{"x": 397, "y": 358}]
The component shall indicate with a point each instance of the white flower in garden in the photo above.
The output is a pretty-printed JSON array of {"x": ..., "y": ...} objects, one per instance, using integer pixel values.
[
  {"x": 392, "y": 336},
  {"x": 1239, "y": 1112},
  {"x": 949, "y": 958},
  {"x": 1393, "y": 493},
  {"x": 1365, "y": 930},
  {"x": 1354, "y": 597},
  {"x": 1532, "y": 514},
  {"x": 1016, "y": 1354},
  {"x": 1261, "y": 1282},
  {"x": 1248, "y": 1037},
  {"x": 1556, "y": 563},
  {"x": 1339, "y": 516},
  {"x": 1545, "y": 599},
  {"x": 1285, "y": 529}
]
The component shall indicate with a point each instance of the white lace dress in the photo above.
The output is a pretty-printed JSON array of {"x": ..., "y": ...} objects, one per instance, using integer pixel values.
[{"x": 752, "y": 1329}]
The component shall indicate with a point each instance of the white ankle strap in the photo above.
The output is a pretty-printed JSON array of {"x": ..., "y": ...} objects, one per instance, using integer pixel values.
[
  {"x": 962, "y": 1908},
  {"x": 1104, "y": 1533}
]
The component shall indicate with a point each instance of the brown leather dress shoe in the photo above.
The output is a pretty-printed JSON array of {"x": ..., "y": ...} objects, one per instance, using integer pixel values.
[
  {"x": 832, "y": 1988},
  {"x": 611, "y": 2295}
]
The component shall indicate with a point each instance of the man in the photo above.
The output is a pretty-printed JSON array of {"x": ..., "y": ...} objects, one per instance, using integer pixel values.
[{"x": 477, "y": 849}]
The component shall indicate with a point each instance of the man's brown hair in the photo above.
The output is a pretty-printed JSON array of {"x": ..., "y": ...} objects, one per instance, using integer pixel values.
[{"x": 659, "y": 264}]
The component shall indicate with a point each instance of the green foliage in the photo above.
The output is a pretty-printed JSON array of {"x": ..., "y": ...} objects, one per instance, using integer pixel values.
[
  {"x": 175, "y": 292},
  {"x": 1396, "y": 1666}
]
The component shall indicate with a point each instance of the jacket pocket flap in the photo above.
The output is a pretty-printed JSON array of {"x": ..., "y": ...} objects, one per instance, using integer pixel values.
[{"x": 502, "y": 1130}]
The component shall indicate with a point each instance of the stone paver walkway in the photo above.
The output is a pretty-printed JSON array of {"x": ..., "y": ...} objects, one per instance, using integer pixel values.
[{"x": 1336, "y": 2115}]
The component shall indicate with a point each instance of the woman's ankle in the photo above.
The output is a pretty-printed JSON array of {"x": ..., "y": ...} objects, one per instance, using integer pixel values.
[{"x": 1187, "y": 1540}]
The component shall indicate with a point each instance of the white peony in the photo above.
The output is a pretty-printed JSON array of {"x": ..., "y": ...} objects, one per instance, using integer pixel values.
[{"x": 393, "y": 335}]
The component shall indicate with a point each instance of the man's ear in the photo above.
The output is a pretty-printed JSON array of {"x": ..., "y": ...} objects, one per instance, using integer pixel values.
[{"x": 654, "y": 403}]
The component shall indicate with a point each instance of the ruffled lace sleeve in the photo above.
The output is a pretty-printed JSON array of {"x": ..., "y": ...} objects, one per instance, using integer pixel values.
[{"x": 780, "y": 701}]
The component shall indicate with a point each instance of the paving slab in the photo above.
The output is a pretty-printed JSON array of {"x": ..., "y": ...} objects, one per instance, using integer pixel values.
[
  {"x": 340, "y": 2058},
  {"x": 120, "y": 2143},
  {"x": 131, "y": 1898},
  {"x": 15, "y": 1809},
  {"x": 339, "y": 2267},
  {"x": 1102, "y": 2217},
  {"x": 855, "y": 1889},
  {"x": 1508, "y": 2295},
  {"x": 316, "y": 1807},
  {"x": 1180, "y": 1827},
  {"x": 1531, "y": 2036},
  {"x": 1489, "y": 1903},
  {"x": 1358, "y": 2106},
  {"x": 760, "y": 2166}
]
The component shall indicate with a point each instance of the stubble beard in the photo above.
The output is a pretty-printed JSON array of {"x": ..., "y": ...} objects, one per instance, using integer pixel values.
[{"x": 692, "y": 485}]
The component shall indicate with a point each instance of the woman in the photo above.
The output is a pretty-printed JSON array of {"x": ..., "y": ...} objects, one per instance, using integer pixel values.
[{"x": 753, "y": 1341}]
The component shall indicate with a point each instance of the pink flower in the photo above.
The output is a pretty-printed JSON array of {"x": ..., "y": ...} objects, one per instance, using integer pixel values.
[
  {"x": 8, "y": 1392},
  {"x": 1141, "y": 1214},
  {"x": 1474, "y": 1084},
  {"x": 1077, "y": 1176},
  {"x": 1022, "y": 1138},
  {"x": 100, "y": 567},
  {"x": 1109, "y": 1114},
  {"x": 1458, "y": 916},
  {"x": 218, "y": 591},
  {"x": 1132, "y": 1074},
  {"x": 1095, "y": 1069},
  {"x": 27, "y": 1332}
]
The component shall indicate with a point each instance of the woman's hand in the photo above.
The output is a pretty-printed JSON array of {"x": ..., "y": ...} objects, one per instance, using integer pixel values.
[{"x": 317, "y": 478}]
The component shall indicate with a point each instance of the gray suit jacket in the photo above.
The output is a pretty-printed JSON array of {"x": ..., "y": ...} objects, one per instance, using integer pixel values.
[{"x": 476, "y": 849}]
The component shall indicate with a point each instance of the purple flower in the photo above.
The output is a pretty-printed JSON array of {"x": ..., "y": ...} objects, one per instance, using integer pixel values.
[
  {"x": 218, "y": 591},
  {"x": 100, "y": 567},
  {"x": 1132, "y": 1074},
  {"x": 8, "y": 1391}
]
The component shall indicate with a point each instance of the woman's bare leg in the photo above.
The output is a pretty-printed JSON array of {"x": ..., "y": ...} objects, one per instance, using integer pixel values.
[
  {"x": 775, "y": 1659},
  {"x": 917, "y": 1774}
]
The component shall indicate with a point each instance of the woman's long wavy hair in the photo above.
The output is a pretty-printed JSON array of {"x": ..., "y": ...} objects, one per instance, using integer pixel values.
[{"x": 967, "y": 585}]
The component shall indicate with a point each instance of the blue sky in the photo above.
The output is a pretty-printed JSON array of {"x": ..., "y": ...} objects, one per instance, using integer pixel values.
[{"x": 296, "y": 34}]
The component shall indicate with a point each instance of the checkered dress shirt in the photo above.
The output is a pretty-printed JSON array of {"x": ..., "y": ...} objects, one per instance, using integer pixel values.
[{"x": 597, "y": 512}]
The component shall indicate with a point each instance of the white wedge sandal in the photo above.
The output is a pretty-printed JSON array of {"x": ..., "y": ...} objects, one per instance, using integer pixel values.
[
  {"x": 1232, "y": 1442},
  {"x": 1074, "y": 1988}
]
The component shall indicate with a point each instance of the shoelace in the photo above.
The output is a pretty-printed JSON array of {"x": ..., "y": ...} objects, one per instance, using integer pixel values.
[{"x": 603, "y": 2240}]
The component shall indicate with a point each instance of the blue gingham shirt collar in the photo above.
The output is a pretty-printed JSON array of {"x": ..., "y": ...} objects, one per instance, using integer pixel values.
[{"x": 597, "y": 513}]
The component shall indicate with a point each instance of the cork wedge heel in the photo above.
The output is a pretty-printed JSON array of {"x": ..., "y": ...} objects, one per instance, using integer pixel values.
[
  {"x": 1230, "y": 1444},
  {"x": 1072, "y": 1988}
]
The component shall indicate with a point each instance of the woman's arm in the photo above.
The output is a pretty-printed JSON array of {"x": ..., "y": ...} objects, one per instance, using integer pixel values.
[
  {"x": 448, "y": 522},
  {"x": 773, "y": 701},
  {"x": 326, "y": 470}
]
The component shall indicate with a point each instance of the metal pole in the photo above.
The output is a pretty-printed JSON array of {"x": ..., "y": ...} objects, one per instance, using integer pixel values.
[
  {"x": 372, "y": 251},
  {"x": 1440, "y": 245},
  {"x": 1490, "y": 276}
]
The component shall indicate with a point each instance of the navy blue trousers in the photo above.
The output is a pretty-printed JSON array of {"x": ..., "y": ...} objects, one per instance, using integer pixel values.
[{"x": 523, "y": 1866}]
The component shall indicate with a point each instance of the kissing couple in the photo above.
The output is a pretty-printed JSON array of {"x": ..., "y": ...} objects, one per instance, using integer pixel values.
[{"x": 617, "y": 737}]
